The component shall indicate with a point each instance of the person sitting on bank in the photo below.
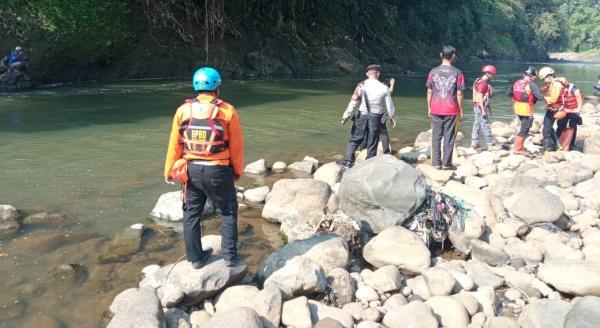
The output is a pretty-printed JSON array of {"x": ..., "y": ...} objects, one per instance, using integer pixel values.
[
  {"x": 16, "y": 59},
  {"x": 445, "y": 87},
  {"x": 206, "y": 133},
  {"x": 366, "y": 107},
  {"x": 597, "y": 86},
  {"x": 525, "y": 94},
  {"x": 482, "y": 94}
]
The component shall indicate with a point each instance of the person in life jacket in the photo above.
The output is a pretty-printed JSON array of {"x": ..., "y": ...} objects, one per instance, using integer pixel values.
[
  {"x": 525, "y": 93},
  {"x": 366, "y": 107},
  {"x": 573, "y": 104},
  {"x": 555, "y": 90},
  {"x": 482, "y": 92},
  {"x": 206, "y": 132}
]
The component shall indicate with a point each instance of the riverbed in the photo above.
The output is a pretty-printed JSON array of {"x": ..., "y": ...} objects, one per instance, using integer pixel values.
[{"x": 95, "y": 153}]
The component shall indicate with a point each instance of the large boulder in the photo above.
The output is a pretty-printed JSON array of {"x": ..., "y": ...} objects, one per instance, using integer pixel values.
[
  {"x": 299, "y": 276},
  {"x": 297, "y": 200},
  {"x": 400, "y": 247},
  {"x": 571, "y": 276},
  {"x": 194, "y": 285},
  {"x": 329, "y": 251},
  {"x": 8, "y": 220},
  {"x": 415, "y": 314},
  {"x": 544, "y": 313},
  {"x": 169, "y": 208},
  {"x": 536, "y": 206},
  {"x": 585, "y": 313},
  {"x": 331, "y": 173},
  {"x": 137, "y": 307},
  {"x": 381, "y": 192},
  {"x": 239, "y": 317},
  {"x": 126, "y": 243},
  {"x": 256, "y": 167}
]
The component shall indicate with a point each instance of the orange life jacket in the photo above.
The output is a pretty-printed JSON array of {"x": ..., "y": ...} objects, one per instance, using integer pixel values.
[{"x": 201, "y": 133}]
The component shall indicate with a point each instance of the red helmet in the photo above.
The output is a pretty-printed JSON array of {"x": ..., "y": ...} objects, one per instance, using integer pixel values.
[{"x": 489, "y": 69}]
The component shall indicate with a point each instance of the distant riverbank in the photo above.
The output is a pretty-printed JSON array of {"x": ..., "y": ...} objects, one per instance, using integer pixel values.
[{"x": 583, "y": 57}]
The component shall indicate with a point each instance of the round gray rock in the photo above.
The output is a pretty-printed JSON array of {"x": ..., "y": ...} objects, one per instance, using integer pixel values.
[
  {"x": 400, "y": 247},
  {"x": 536, "y": 206}
]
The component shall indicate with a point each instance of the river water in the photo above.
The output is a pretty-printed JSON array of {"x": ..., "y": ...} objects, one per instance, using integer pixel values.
[{"x": 95, "y": 152}]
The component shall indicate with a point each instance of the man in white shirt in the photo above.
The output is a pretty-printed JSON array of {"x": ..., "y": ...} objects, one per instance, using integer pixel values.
[{"x": 366, "y": 107}]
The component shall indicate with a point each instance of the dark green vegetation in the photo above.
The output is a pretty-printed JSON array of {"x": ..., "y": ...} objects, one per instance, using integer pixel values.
[{"x": 110, "y": 39}]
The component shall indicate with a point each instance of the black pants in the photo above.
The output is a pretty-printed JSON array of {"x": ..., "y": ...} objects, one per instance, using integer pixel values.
[
  {"x": 383, "y": 136},
  {"x": 550, "y": 138},
  {"x": 572, "y": 120},
  {"x": 526, "y": 123},
  {"x": 214, "y": 182},
  {"x": 366, "y": 125},
  {"x": 442, "y": 126}
]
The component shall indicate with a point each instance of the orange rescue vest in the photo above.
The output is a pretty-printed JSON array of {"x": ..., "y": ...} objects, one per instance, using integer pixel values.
[{"x": 201, "y": 134}]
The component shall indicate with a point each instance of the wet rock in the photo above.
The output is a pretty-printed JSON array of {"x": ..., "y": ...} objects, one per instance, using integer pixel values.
[
  {"x": 49, "y": 219},
  {"x": 439, "y": 281},
  {"x": 158, "y": 238},
  {"x": 256, "y": 195},
  {"x": 66, "y": 274},
  {"x": 415, "y": 314},
  {"x": 331, "y": 173},
  {"x": 329, "y": 251},
  {"x": 297, "y": 200},
  {"x": 168, "y": 208},
  {"x": 571, "y": 276},
  {"x": 342, "y": 286},
  {"x": 196, "y": 285},
  {"x": 8, "y": 220},
  {"x": 126, "y": 243},
  {"x": 44, "y": 241},
  {"x": 449, "y": 312},
  {"x": 385, "y": 279},
  {"x": 257, "y": 167},
  {"x": 585, "y": 313},
  {"x": 136, "y": 307},
  {"x": 410, "y": 253},
  {"x": 302, "y": 169},
  {"x": 239, "y": 317},
  {"x": 486, "y": 253},
  {"x": 299, "y": 276},
  {"x": 42, "y": 320},
  {"x": 319, "y": 311},
  {"x": 296, "y": 313},
  {"x": 381, "y": 192},
  {"x": 537, "y": 206},
  {"x": 544, "y": 314},
  {"x": 177, "y": 318}
]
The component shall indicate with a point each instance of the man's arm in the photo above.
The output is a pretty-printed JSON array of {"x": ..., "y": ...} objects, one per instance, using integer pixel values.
[
  {"x": 236, "y": 145},
  {"x": 579, "y": 97},
  {"x": 460, "y": 97},
  {"x": 429, "y": 96},
  {"x": 535, "y": 90},
  {"x": 392, "y": 84},
  {"x": 353, "y": 104}
]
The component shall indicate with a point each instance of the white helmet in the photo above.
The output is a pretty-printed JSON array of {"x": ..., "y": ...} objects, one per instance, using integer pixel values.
[{"x": 545, "y": 71}]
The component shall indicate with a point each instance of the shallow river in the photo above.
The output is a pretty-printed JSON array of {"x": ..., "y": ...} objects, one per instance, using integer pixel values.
[{"x": 95, "y": 152}]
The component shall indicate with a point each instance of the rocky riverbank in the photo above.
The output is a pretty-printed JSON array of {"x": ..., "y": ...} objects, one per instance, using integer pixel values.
[
  {"x": 581, "y": 57},
  {"x": 530, "y": 244}
]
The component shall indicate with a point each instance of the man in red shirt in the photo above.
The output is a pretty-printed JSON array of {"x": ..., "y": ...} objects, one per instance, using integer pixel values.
[{"x": 445, "y": 87}]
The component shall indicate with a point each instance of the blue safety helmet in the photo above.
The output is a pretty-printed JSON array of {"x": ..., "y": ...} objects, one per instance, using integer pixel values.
[{"x": 206, "y": 79}]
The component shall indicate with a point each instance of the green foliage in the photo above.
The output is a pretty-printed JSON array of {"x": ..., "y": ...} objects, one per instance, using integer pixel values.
[{"x": 582, "y": 24}]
